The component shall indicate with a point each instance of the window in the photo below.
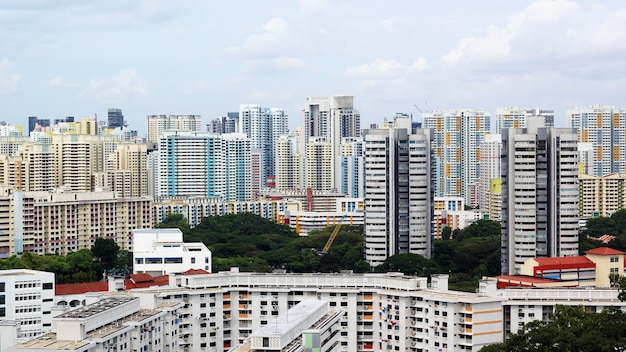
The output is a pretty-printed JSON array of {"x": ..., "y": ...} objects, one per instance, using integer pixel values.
[
  {"x": 614, "y": 259},
  {"x": 614, "y": 270},
  {"x": 2, "y": 286},
  {"x": 47, "y": 286},
  {"x": 193, "y": 260}
]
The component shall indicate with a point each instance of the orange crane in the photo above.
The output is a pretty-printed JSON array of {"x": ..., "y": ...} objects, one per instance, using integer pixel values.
[{"x": 332, "y": 238}]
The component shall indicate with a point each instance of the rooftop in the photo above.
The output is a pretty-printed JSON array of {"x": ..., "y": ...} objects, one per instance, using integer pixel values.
[
  {"x": 604, "y": 251},
  {"x": 575, "y": 260},
  {"x": 96, "y": 308}
]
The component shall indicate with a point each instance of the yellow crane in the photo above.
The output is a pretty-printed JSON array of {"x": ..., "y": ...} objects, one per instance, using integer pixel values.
[{"x": 331, "y": 238}]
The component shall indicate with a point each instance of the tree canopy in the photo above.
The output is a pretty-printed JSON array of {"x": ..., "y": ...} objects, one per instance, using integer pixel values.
[{"x": 570, "y": 329}]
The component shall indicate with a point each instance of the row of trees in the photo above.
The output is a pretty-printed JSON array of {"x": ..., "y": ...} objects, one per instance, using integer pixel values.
[{"x": 84, "y": 265}]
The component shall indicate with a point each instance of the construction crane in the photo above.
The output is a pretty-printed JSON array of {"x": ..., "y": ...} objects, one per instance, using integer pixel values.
[{"x": 331, "y": 238}]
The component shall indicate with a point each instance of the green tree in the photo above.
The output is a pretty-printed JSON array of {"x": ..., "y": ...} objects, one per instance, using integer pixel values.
[
  {"x": 446, "y": 233},
  {"x": 176, "y": 221},
  {"x": 409, "y": 264},
  {"x": 105, "y": 251}
]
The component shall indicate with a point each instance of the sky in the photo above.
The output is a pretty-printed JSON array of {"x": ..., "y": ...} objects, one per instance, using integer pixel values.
[{"x": 78, "y": 58}]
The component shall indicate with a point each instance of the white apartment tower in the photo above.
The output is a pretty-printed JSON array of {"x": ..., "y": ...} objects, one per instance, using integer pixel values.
[
  {"x": 539, "y": 194},
  {"x": 328, "y": 120},
  {"x": 398, "y": 194},
  {"x": 514, "y": 117},
  {"x": 605, "y": 128},
  {"x": 351, "y": 167},
  {"x": 204, "y": 164},
  {"x": 491, "y": 149},
  {"x": 263, "y": 126},
  {"x": 288, "y": 161},
  {"x": 457, "y": 138}
]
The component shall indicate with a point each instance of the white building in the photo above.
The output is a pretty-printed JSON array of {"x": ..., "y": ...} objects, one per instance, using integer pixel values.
[
  {"x": 26, "y": 300},
  {"x": 398, "y": 193},
  {"x": 162, "y": 251},
  {"x": 348, "y": 211},
  {"x": 515, "y": 117},
  {"x": 115, "y": 323},
  {"x": 288, "y": 161},
  {"x": 539, "y": 194},
  {"x": 490, "y": 160}
]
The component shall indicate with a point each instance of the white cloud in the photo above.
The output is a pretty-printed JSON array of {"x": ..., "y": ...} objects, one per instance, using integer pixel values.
[
  {"x": 126, "y": 82},
  {"x": 393, "y": 25},
  {"x": 8, "y": 79},
  {"x": 385, "y": 69},
  {"x": 273, "y": 33},
  {"x": 59, "y": 82},
  {"x": 546, "y": 29}
]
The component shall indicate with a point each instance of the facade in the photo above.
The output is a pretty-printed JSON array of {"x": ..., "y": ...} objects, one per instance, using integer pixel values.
[
  {"x": 204, "y": 164},
  {"x": 348, "y": 211},
  {"x": 457, "y": 144},
  {"x": 224, "y": 124},
  {"x": 319, "y": 165},
  {"x": 351, "y": 167},
  {"x": 127, "y": 170},
  {"x": 398, "y": 193},
  {"x": 162, "y": 251},
  {"x": 197, "y": 208},
  {"x": 289, "y": 164},
  {"x": 325, "y": 121},
  {"x": 115, "y": 118},
  {"x": 263, "y": 126},
  {"x": 490, "y": 155},
  {"x": 60, "y": 223},
  {"x": 605, "y": 128},
  {"x": 515, "y": 117},
  {"x": 26, "y": 298},
  {"x": 117, "y": 323},
  {"x": 539, "y": 195},
  {"x": 601, "y": 195},
  {"x": 157, "y": 124}
]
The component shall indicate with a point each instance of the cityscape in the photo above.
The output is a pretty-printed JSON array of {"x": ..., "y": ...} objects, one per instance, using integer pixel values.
[{"x": 116, "y": 174}]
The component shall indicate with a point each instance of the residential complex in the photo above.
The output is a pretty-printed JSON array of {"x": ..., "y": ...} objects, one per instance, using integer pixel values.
[
  {"x": 398, "y": 191},
  {"x": 601, "y": 195},
  {"x": 515, "y": 117},
  {"x": 157, "y": 124},
  {"x": 539, "y": 194}
]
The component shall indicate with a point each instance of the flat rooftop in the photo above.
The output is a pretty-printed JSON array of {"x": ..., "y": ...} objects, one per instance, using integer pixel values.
[{"x": 96, "y": 308}]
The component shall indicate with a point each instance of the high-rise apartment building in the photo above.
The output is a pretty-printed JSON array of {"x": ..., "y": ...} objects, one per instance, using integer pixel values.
[
  {"x": 327, "y": 120},
  {"x": 514, "y": 117},
  {"x": 351, "y": 167},
  {"x": 457, "y": 138},
  {"x": 157, "y": 124},
  {"x": 539, "y": 194},
  {"x": 204, "y": 164},
  {"x": 263, "y": 126},
  {"x": 491, "y": 149},
  {"x": 601, "y": 195},
  {"x": 319, "y": 165},
  {"x": 398, "y": 193},
  {"x": 605, "y": 128},
  {"x": 288, "y": 161},
  {"x": 126, "y": 170},
  {"x": 115, "y": 118},
  {"x": 224, "y": 124}
]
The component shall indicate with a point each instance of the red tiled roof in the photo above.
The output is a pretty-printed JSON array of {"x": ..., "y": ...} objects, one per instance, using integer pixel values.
[
  {"x": 524, "y": 278},
  {"x": 79, "y": 288},
  {"x": 196, "y": 272},
  {"x": 564, "y": 260},
  {"x": 604, "y": 251},
  {"x": 141, "y": 277},
  {"x": 162, "y": 280}
]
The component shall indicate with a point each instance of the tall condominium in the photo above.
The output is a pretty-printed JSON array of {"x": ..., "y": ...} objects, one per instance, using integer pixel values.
[
  {"x": 328, "y": 119},
  {"x": 351, "y": 167},
  {"x": 204, "y": 164},
  {"x": 288, "y": 161},
  {"x": 224, "y": 124},
  {"x": 398, "y": 193},
  {"x": 605, "y": 128},
  {"x": 458, "y": 135},
  {"x": 490, "y": 151},
  {"x": 514, "y": 117},
  {"x": 539, "y": 194},
  {"x": 157, "y": 124},
  {"x": 115, "y": 118},
  {"x": 263, "y": 126}
]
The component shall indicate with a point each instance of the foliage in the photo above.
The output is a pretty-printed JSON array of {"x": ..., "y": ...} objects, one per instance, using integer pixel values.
[
  {"x": 615, "y": 225},
  {"x": 172, "y": 221},
  {"x": 75, "y": 267},
  {"x": 409, "y": 264},
  {"x": 105, "y": 250},
  {"x": 619, "y": 282},
  {"x": 570, "y": 329}
]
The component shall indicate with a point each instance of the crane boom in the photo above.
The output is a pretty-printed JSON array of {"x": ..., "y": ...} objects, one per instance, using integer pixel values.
[{"x": 331, "y": 238}]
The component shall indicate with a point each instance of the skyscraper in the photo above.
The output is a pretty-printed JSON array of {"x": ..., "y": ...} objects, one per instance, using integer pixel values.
[
  {"x": 263, "y": 126},
  {"x": 539, "y": 194},
  {"x": 327, "y": 120},
  {"x": 605, "y": 128},
  {"x": 157, "y": 124},
  {"x": 288, "y": 161},
  {"x": 398, "y": 193},
  {"x": 457, "y": 138},
  {"x": 115, "y": 118}
]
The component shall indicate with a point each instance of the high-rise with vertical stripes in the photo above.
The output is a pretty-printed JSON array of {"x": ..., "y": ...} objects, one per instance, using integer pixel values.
[
  {"x": 605, "y": 128},
  {"x": 457, "y": 137},
  {"x": 539, "y": 194},
  {"x": 398, "y": 193}
]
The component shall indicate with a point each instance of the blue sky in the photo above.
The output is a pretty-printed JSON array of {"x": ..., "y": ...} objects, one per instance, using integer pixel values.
[{"x": 79, "y": 58}]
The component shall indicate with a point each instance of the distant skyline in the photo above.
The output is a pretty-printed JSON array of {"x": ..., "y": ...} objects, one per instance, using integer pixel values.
[{"x": 60, "y": 58}]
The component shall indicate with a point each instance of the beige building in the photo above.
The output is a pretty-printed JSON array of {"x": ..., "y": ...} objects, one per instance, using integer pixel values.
[
  {"x": 64, "y": 222},
  {"x": 601, "y": 195}
]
